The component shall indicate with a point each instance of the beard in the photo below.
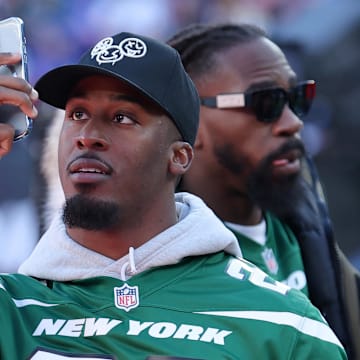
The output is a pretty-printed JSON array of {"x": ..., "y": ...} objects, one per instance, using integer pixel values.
[
  {"x": 281, "y": 194},
  {"x": 287, "y": 197},
  {"x": 90, "y": 214}
]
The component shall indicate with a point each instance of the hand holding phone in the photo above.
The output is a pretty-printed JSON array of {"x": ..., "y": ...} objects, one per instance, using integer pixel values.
[{"x": 12, "y": 40}]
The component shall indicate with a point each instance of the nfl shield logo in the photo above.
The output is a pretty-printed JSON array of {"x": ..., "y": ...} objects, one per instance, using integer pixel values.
[
  {"x": 126, "y": 297},
  {"x": 270, "y": 260}
]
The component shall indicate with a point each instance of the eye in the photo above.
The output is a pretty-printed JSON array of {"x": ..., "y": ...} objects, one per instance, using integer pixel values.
[
  {"x": 78, "y": 115},
  {"x": 123, "y": 119}
]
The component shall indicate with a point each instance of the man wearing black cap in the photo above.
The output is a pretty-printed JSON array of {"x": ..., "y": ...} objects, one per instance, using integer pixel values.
[{"x": 127, "y": 270}]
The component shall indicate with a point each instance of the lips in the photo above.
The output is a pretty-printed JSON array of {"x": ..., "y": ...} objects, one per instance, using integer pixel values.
[
  {"x": 288, "y": 162},
  {"x": 287, "y": 157},
  {"x": 89, "y": 165},
  {"x": 88, "y": 169}
]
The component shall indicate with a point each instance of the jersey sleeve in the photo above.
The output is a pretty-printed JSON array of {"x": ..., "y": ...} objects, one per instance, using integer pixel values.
[
  {"x": 8, "y": 317},
  {"x": 316, "y": 339}
]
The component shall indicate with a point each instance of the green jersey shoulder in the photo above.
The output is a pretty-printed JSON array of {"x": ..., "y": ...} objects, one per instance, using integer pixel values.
[
  {"x": 210, "y": 307},
  {"x": 280, "y": 256}
]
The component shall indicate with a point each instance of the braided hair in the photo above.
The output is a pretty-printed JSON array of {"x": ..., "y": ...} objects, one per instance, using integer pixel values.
[{"x": 198, "y": 44}]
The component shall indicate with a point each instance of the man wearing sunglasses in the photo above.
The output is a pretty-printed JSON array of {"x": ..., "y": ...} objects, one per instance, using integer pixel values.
[{"x": 252, "y": 169}]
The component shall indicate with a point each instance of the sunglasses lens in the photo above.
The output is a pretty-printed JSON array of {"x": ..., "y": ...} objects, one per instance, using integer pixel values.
[
  {"x": 301, "y": 98},
  {"x": 268, "y": 104}
]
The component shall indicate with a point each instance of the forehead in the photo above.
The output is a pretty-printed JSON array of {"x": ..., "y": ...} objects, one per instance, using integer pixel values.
[
  {"x": 115, "y": 89},
  {"x": 258, "y": 63}
]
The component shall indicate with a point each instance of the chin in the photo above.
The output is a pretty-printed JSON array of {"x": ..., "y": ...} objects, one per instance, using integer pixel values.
[{"x": 90, "y": 214}]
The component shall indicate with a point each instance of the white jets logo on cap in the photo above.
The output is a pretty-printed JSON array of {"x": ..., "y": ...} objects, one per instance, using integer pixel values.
[{"x": 106, "y": 51}]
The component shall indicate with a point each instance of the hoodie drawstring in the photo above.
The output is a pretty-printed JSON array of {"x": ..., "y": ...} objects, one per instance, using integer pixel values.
[{"x": 131, "y": 262}]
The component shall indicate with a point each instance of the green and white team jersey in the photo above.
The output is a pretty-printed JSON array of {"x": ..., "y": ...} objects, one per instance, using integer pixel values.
[
  {"x": 280, "y": 256},
  {"x": 205, "y": 307}
]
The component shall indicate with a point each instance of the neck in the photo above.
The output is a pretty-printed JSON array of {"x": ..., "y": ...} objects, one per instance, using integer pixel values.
[
  {"x": 235, "y": 208},
  {"x": 228, "y": 204}
]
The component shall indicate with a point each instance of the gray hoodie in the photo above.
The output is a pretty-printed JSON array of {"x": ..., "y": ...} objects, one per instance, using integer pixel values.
[{"x": 198, "y": 232}]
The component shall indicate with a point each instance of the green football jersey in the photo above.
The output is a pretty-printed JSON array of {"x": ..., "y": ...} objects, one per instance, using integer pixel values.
[
  {"x": 280, "y": 256},
  {"x": 208, "y": 307}
]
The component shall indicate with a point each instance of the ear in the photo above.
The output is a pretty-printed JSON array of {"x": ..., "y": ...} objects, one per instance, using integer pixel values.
[{"x": 181, "y": 157}]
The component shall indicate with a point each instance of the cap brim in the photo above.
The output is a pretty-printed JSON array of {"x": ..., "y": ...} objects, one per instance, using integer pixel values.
[{"x": 55, "y": 86}]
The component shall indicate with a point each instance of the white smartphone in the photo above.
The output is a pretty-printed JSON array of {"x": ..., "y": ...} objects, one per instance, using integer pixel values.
[{"x": 12, "y": 39}]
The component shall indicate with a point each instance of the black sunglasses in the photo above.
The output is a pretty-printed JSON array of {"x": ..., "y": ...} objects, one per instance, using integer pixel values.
[{"x": 267, "y": 104}]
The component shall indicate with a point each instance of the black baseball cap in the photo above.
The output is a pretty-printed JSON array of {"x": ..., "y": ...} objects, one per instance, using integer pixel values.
[{"x": 150, "y": 66}]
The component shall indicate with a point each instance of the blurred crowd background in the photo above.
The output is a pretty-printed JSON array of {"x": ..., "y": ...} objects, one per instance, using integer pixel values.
[{"x": 320, "y": 37}]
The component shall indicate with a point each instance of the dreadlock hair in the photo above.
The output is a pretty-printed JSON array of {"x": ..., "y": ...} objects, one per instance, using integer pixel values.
[{"x": 198, "y": 44}]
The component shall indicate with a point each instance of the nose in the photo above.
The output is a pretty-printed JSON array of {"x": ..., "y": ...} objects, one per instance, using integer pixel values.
[
  {"x": 288, "y": 124},
  {"x": 92, "y": 137}
]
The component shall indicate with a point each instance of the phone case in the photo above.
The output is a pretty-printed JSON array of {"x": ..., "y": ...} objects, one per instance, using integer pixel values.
[{"x": 12, "y": 39}]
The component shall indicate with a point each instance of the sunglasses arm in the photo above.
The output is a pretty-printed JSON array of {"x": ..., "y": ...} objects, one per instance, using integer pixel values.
[{"x": 224, "y": 101}]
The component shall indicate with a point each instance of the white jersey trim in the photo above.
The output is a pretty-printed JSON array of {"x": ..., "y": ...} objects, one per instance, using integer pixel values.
[
  {"x": 305, "y": 325},
  {"x": 27, "y": 302}
]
